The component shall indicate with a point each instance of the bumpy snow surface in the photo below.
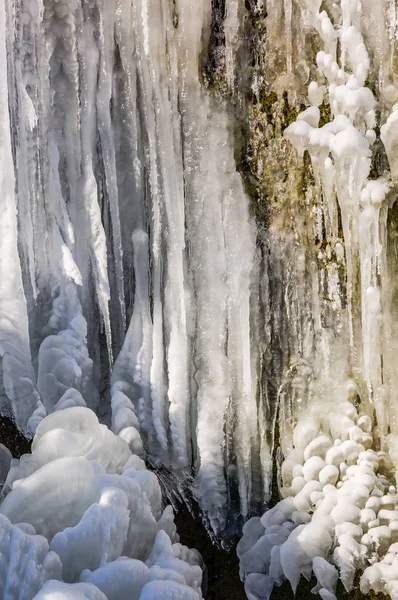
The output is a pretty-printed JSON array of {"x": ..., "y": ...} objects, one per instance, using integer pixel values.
[
  {"x": 82, "y": 518},
  {"x": 339, "y": 512}
]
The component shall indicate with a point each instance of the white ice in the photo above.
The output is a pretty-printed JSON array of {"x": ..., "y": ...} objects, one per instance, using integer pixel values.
[
  {"x": 335, "y": 521},
  {"x": 126, "y": 232},
  {"x": 82, "y": 508}
]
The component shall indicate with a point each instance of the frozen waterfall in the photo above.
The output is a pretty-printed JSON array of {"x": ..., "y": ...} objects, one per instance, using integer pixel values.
[
  {"x": 129, "y": 268},
  {"x": 198, "y": 250}
]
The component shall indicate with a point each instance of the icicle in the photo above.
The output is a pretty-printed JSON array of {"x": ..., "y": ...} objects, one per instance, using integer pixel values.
[
  {"x": 231, "y": 31},
  {"x": 240, "y": 251},
  {"x": 89, "y": 187},
  {"x": 106, "y": 58},
  {"x": 288, "y": 8},
  {"x": 131, "y": 394},
  {"x": 18, "y": 377}
]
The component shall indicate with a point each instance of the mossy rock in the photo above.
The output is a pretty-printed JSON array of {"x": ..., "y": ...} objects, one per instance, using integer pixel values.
[
  {"x": 289, "y": 112},
  {"x": 326, "y": 114}
]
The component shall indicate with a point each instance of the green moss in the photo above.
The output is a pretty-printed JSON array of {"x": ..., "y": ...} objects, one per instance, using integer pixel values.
[
  {"x": 218, "y": 84},
  {"x": 263, "y": 154},
  {"x": 289, "y": 112},
  {"x": 326, "y": 114},
  {"x": 267, "y": 107}
]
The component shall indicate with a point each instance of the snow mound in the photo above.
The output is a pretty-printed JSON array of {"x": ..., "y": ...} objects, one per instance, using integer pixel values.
[{"x": 83, "y": 518}]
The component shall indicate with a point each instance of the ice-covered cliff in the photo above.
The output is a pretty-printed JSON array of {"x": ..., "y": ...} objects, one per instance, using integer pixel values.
[
  {"x": 325, "y": 110},
  {"x": 198, "y": 241}
]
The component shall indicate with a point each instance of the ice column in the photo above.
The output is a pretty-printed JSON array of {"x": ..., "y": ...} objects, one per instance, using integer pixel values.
[{"x": 17, "y": 373}]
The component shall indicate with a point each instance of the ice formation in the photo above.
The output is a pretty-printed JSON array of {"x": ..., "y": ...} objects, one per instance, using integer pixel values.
[
  {"x": 338, "y": 514},
  {"x": 135, "y": 285},
  {"x": 82, "y": 517},
  {"x": 122, "y": 204}
]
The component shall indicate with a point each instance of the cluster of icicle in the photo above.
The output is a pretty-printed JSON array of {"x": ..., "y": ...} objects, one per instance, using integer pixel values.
[
  {"x": 81, "y": 517},
  {"x": 340, "y": 153},
  {"x": 118, "y": 176},
  {"x": 339, "y": 509}
]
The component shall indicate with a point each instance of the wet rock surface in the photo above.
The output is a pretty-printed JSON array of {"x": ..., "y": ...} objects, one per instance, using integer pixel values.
[
  {"x": 223, "y": 582},
  {"x": 12, "y": 438}
]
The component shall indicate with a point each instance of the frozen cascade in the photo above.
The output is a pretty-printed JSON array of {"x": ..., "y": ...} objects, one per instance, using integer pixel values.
[
  {"x": 81, "y": 516},
  {"x": 229, "y": 341},
  {"x": 133, "y": 258}
]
